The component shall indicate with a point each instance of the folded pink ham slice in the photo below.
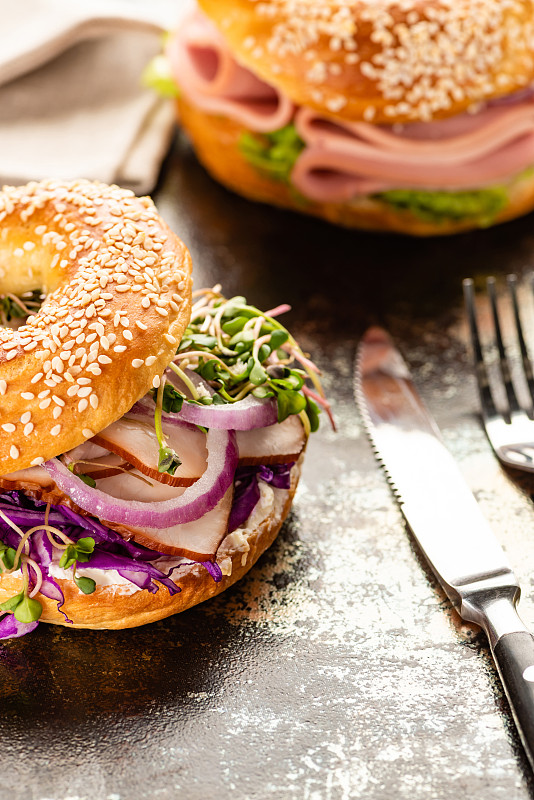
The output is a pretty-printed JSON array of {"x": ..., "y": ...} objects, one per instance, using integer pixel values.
[
  {"x": 470, "y": 151},
  {"x": 213, "y": 81}
]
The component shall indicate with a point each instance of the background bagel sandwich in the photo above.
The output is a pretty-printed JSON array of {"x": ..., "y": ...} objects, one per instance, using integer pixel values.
[
  {"x": 414, "y": 117},
  {"x": 168, "y": 487}
]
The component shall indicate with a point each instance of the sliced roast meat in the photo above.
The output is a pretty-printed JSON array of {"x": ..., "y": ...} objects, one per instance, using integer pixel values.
[
  {"x": 136, "y": 442},
  {"x": 276, "y": 444},
  {"x": 198, "y": 539}
]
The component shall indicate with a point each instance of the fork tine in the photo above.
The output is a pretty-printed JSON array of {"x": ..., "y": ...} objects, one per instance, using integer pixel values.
[
  {"x": 525, "y": 358},
  {"x": 484, "y": 390},
  {"x": 503, "y": 361}
]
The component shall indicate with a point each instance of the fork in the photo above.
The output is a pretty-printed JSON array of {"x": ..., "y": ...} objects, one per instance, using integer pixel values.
[{"x": 510, "y": 428}]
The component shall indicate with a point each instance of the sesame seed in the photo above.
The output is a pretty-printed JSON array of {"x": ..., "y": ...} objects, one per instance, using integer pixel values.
[
  {"x": 137, "y": 362},
  {"x": 14, "y": 452},
  {"x": 55, "y": 430},
  {"x": 8, "y": 427},
  {"x": 28, "y": 428},
  {"x": 88, "y": 433},
  {"x": 25, "y": 417}
]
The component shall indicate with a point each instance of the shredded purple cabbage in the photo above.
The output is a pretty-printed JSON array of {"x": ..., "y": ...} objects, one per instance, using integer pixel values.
[
  {"x": 131, "y": 560},
  {"x": 11, "y": 628},
  {"x": 247, "y": 490}
]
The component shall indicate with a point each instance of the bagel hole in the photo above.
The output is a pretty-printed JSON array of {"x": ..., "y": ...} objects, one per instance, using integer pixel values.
[{"x": 15, "y": 309}]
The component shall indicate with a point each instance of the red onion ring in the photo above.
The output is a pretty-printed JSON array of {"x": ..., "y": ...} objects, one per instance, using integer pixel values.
[
  {"x": 245, "y": 415},
  {"x": 196, "y": 500}
]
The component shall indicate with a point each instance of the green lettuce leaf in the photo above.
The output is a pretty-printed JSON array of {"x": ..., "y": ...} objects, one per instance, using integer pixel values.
[
  {"x": 157, "y": 75},
  {"x": 482, "y": 205},
  {"x": 274, "y": 153}
]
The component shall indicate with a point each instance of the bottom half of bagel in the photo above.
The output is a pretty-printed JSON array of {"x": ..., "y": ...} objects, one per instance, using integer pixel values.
[
  {"x": 217, "y": 142},
  {"x": 117, "y": 603}
]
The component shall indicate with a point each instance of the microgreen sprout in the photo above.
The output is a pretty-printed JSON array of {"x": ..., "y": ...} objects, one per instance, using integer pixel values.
[
  {"x": 7, "y": 557},
  {"x": 168, "y": 460},
  {"x": 81, "y": 475},
  {"x": 79, "y": 553},
  {"x": 240, "y": 350},
  {"x": 23, "y": 605}
]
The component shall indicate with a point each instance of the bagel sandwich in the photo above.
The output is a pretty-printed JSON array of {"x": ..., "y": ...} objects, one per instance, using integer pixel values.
[
  {"x": 151, "y": 438},
  {"x": 415, "y": 117}
]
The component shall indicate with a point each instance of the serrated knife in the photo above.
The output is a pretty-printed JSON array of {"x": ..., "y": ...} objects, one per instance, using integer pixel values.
[{"x": 445, "y": 518}]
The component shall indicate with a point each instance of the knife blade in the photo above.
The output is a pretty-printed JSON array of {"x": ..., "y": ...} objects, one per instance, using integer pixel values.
[{"x": 445, "y": 518}]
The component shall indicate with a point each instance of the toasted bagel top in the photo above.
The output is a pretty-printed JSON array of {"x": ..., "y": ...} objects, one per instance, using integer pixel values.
[
  {"x": 384, "y": 61},
  {"x": 117, "y": 282}
]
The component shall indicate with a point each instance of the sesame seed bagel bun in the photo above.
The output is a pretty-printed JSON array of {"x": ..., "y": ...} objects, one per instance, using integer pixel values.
[
  {"x": 120, "y": 605},
  {"x": 117, "y": 282},
  {"x": 387, "y": 61},
  {"x": 216, "y": 140}
]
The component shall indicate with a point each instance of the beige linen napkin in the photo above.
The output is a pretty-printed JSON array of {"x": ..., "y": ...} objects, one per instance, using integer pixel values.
[{"x": 71, "y": 102}]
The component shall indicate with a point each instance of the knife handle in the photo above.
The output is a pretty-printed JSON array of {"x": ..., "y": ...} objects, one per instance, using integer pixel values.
[{"x": 514, "y": 657}]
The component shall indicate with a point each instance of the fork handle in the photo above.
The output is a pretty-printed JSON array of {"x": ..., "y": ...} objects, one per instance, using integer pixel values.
[{"x": 514, "y": 657}]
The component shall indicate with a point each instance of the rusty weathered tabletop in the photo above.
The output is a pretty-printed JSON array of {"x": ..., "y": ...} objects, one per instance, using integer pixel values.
[{"x": 336, "y": 668}]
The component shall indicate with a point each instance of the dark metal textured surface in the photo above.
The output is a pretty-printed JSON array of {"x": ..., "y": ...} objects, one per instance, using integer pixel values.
[{"x": 336, "y": 669}]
